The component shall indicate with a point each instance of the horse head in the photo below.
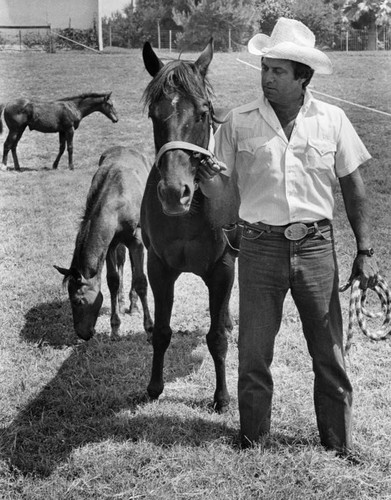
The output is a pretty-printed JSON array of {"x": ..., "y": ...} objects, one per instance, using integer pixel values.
[
  {"x": 108, "y": 108},
  {"x": 179, "y": 105},
  {"x": 86, "y": 300}
]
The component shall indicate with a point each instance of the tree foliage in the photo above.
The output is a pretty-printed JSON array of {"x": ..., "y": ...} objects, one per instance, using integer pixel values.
[
  {"x": 367, "y": 12},
  {"x": 233, "y": 22},
  {"x": 230, "y": 22}
]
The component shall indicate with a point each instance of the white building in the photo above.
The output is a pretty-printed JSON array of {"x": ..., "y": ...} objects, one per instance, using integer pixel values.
[{"x": 78, "y": 14}]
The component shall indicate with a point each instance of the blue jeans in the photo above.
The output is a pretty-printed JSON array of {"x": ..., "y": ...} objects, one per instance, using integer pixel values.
[{"x": 270, "y": 265}]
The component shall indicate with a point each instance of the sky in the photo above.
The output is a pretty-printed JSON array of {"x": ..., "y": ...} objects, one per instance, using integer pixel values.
[{"x": 109, "y": 6}]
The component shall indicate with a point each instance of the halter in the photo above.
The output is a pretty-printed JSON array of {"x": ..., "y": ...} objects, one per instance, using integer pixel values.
[{"x": 187, "y": 146}]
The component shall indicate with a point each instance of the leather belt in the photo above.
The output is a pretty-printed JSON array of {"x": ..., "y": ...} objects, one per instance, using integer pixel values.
[{"x": 295, "y": 231}]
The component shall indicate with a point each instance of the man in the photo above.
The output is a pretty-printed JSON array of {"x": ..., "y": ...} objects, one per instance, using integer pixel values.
[{"x": 289, "y": 150}]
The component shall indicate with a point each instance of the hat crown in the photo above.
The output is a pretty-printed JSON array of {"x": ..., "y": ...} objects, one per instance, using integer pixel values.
[{"x": 290, "y": 30}]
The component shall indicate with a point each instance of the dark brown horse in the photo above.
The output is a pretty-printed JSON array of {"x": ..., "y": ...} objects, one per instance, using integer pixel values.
[
  {"x": 110, "y": 223},
  {"x": 181, "y": 228},
  {"x": 62, "y": 117}
]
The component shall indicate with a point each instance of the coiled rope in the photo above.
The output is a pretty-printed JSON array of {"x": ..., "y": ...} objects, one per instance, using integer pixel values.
[{"x": 357, "y": 309}]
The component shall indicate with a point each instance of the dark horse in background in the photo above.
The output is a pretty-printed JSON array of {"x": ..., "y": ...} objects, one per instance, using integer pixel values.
[
  {"x": 62, "y": 117},
  {"x": 181, "y": 228},
  {"x": 110, "y": 224}
]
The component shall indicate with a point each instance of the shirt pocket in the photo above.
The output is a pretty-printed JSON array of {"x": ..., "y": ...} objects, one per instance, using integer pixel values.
[
  {"x": 320, "y": 154},
  {"x": 253, "y": 152}
]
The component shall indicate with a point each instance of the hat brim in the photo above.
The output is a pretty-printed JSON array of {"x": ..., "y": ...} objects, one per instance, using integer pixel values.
[{"x": 314, "y": 58}]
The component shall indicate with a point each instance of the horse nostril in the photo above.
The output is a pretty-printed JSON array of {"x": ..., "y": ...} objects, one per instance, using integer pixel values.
[{"x": 186, "y": 195}]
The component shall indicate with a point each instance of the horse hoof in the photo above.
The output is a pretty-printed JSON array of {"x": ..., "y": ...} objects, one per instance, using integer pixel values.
[
  {"x": 115, "y": 336},
  {"x": 154, "y": 393},
  {"x": 221, "y": 408}
]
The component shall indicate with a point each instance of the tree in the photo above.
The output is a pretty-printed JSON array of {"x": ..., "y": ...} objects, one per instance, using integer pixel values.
[
  {"x": 268, "y": 11},
  {"x": 368, "y": 14},
  {"x": 226, "y": 20},
  {"x": 319, "y": 17}
]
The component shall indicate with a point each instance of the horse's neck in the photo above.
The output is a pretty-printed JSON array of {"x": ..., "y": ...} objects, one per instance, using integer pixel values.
[
  {"x": 88, "y": 106},
  {"x": 93, "y": 241}
]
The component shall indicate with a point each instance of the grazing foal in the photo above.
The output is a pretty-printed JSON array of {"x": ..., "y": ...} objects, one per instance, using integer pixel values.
[{"x": 110, "y": 224}]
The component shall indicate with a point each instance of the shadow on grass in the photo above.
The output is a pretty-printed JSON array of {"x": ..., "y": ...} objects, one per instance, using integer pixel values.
[
  {"x": 95, "y": 394},
  {"x": 50, "y": 322}
]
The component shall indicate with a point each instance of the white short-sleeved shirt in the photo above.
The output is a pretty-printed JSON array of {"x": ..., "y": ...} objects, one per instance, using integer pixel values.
[{"x": 283, "y": 181}]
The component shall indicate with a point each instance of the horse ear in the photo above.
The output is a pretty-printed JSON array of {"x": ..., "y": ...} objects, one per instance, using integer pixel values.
[
  {"x": 108, "y": 95},
  {"x": 205, "y": 58},
  {"x": 151, "y": 61},
  {"x": 63, "y": 271}
]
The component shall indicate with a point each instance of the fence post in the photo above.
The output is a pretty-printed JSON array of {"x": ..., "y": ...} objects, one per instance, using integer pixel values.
[
  {"x": 169, "y": 40},
  {"x": 229, "y": 40},
  {"x": 347, "y": 41},
  {"x": 109, "y": 34},
  {"x": 158, "y": 34}
]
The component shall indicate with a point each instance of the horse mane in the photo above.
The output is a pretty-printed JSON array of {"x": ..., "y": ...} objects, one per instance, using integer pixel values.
[
  {"x": 84, "y": 96},
  {"x": 178, "y": 76},
  {"x": 84, "y": 227}
]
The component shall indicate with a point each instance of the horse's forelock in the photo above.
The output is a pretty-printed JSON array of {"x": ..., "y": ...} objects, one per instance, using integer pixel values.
[{"x": 178, "y": 76}]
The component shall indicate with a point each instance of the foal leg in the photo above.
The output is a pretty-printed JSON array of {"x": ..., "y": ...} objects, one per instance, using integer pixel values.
[
  {"x": 61, "y": 150},
  {"x": 162, "y": 280},
  {"x": 219, "y": 283},
  {"x": 139, "y": 281},
  {"x": 114, "y": 282},
  {"x": 10, "y": 144},
  {"x": 121, "y": 257},
  {"x": 69, "y": 137}
]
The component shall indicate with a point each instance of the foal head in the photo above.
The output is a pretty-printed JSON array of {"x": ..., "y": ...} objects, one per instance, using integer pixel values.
[
  {"x": 108, "y": 109},
  {"x": 85, "y": 298},
  {"x": 178, "y": 101}
]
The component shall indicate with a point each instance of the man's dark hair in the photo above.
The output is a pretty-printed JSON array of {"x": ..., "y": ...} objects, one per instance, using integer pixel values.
[{"x": 301, "y": 70}]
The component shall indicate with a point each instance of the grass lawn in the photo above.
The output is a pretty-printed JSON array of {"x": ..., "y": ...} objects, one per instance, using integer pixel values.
[{"x": 74, "y": 420}]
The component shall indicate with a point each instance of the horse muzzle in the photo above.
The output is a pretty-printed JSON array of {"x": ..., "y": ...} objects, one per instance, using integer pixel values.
[{"x": 175, "y": 200}]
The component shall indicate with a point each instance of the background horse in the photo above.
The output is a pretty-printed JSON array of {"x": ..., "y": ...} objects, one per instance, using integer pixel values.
[
  {"x": 111, "y": 220},
  {"x": 181, "y": 228},
  {"x": 62, "y": 117}
]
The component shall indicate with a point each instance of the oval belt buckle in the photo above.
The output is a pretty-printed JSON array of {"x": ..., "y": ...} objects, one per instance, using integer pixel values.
[{"x": 296, "y": 231}]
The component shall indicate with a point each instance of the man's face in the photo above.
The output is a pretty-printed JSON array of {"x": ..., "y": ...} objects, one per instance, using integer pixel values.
[{"x": 278, "y": 81}]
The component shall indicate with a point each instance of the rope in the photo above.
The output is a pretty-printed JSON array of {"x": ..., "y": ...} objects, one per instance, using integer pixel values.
[{"x": 357, "y": 309}]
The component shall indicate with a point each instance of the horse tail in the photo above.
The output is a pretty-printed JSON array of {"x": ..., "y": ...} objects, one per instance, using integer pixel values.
[{"x": 1, "y": 121}]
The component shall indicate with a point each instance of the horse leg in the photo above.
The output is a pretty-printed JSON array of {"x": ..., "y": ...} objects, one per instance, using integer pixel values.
[
  {"x": 113, "y": 262},
  {"x": 121, "y": 257},
  {"x": 219, "y": 283},
  {"x": 139, "y": 281},
  {"x": 162, "y": 280},
  {"x": 10, "y": 144},
  {"x": 69, "y": 138},
  {"x": 61, "y": 150}
]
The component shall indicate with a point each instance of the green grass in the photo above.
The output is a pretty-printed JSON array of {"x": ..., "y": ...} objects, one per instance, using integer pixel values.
[{"x": 75, "y": 423}]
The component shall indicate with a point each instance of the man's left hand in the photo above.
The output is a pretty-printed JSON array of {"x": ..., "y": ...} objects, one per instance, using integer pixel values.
[{"x": 366, "y": 270}]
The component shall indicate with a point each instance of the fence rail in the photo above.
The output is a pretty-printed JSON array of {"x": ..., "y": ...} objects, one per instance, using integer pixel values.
[
  {"x": 41, "y": 38},
  {"x": 344, "y": 40}
]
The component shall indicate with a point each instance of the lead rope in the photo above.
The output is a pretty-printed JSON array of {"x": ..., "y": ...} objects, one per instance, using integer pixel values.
[{"x": 357, "y": 308}]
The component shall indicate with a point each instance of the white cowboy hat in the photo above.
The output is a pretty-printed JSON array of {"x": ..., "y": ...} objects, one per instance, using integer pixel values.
[{"x": 291, "y": 39}]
